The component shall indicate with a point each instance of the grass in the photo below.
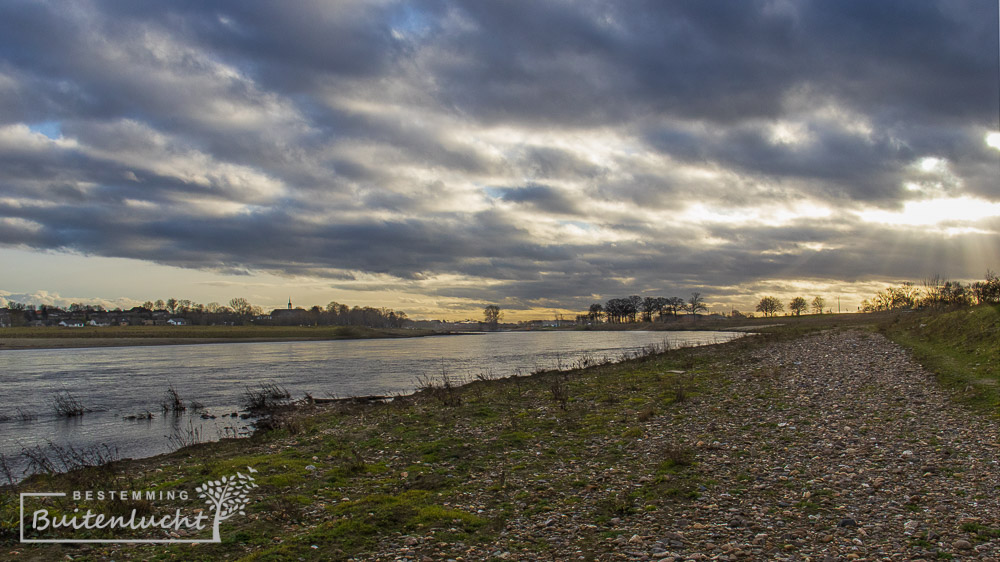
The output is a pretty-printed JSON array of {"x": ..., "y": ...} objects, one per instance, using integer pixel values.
[
  {"x": 346, "y": 478},
  {"x": 962, "y": 347}
]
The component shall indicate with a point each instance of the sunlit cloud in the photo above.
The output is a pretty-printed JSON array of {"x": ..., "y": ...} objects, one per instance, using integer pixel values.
[
  {"x": 933, "y": 212},
  {"x": 993, "y": 140},
  {"x": 447, "y": 155}
]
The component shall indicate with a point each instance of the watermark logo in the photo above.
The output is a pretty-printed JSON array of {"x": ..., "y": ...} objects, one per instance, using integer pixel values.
[{"x": 223, "y": 498}]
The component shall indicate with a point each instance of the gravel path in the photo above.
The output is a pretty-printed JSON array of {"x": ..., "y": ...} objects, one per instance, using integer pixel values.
[
  {"x": 852, "y": 452},
  {"x": 836, "y": 446}
]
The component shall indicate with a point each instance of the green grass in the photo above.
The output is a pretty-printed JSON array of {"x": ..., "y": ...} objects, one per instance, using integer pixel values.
[
  {"x": 408, "y": 467},
  {"x": 961, "y": 347}
]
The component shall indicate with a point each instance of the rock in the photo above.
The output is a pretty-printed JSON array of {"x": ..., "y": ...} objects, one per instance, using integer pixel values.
[
  {"x": 962, "y": 544},
  {"x": 847, "y": 522}
]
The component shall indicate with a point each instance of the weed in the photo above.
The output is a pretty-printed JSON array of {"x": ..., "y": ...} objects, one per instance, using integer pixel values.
[
  {"x": 67, "y": 406},
  {"x": 447, "y": 392},
  {"x": 559, "y": 391},
  {"x": 172, "y": 401},
  {"x": 191, "y": 435},
  {"x": 265, "y": 397}
]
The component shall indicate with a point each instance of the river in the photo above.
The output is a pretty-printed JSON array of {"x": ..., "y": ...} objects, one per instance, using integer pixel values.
[{"x": 116, "y": 383}]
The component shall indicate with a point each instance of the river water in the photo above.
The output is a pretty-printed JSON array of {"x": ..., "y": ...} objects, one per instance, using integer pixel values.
[{"x": 115, "y": 383}]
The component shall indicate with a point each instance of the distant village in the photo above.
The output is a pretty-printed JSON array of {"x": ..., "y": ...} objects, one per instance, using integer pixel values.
[
  {"x": 172, "y": 312},
  {"x": 239, "y": 312}
]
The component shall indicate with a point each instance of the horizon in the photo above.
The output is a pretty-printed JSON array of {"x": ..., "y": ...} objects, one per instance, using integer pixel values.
[{"x": 433, "y": 158}]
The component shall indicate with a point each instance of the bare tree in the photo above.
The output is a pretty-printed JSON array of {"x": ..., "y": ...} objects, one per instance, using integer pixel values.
[
  {"x": 241, "y": 306},
  {"x": 492, "y": 315},
  {"x": 596, "y": 312},
  {"x": 769, "y": 306},
  {"x": 696, "y": 304},
  {"x": 675, "y": 304},
  {"x": 818, "y": 304}
]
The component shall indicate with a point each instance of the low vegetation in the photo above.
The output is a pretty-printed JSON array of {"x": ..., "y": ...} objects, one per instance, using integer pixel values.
[
  {"x": 459, "y": 463},
  {"x": 66, "y": 405},
  {"x": 961, "y": 346}
]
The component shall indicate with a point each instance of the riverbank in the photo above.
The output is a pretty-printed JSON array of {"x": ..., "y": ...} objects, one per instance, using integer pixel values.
[
  {"x": 127, "y": 336},
  {"x": 830, "y": 445}
]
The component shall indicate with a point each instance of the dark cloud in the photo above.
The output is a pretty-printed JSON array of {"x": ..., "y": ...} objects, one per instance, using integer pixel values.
[
  {"x": 541, "y": 153},
  {"x": 541, "y": 197}
]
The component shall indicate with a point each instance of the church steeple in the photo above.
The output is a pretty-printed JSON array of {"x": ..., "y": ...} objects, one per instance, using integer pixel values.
[{"x": 289, "y": 303}]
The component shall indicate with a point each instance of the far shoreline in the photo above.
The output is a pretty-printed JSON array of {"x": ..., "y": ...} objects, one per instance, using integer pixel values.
[{"x": 89, "y": 342}]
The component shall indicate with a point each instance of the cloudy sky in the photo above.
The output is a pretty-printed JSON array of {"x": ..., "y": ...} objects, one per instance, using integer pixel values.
[{"x": 433, "y": 156}]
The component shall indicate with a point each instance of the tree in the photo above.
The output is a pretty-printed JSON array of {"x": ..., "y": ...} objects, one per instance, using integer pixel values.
[
  {"x": 492, "y": 315},
  {"x": 148, "y": 305},
  {"x": 987, "y": 291},
  {"x": 159, "y": 304},
  {"x": 634, "y": 305},
  {"x": 172, "y": 305},
  {"x": 596, "y": 312},
  {"x": 696, "y": 304},
  {"x": 650, "y": 306},
  {"x": 241, "y": 306},
  {"x": 818, "y": 304},
  {"x": 797, "y": 305},
  {"x": 892, "y": 298},
  {"x": 769, "y": 306},
  {"x": 614, "y": 310},
  {"x": 674, "y": 304}
]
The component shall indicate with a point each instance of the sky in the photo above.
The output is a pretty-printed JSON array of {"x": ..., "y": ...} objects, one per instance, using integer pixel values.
[{"x": 435, "y": 156}]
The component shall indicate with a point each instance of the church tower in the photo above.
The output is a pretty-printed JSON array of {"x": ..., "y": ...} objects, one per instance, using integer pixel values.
[{"x": 289, "y": 303}]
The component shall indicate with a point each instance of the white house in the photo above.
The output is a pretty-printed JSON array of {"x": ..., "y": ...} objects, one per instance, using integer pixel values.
[
  {"x": 71, "y": 324},
  {"x": 177, "y": 322}
]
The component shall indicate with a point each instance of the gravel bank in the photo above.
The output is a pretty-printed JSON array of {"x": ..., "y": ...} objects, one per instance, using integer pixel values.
[{"x": 835, "y": 446}]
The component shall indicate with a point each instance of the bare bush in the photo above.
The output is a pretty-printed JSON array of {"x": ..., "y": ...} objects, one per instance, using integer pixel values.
[
  {"x": 55, "y": 458},
  {"x": 446, "y": 392},
  {"x": 559, "y": 391},
  {"x": 67, "y": 406},
  {"x": 190, "y": 435},
  {"x": 266, "y": 397},
  {"x": 172, "y": 401}
]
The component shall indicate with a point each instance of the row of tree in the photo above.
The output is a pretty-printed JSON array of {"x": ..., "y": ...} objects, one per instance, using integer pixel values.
[
  {"x": 936, "y": 292},
  {"x": 769, "y": 306},
  {"x": 238, "y": 311},
  {"x": 337, "y": 314},
  {"x": 635, "y": 307}
]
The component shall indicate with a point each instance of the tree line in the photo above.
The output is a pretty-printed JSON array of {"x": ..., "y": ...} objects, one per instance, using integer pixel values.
[
  {"x": 936, "y": 292},
  {"x": 769, "y": 306},
  {"x": 634, "y": 308},
  {"x": 238, "y": 311}
]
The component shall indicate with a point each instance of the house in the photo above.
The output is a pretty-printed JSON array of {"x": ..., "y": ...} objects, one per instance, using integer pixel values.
[
  {"x": 177, "y": 322},
  {"x": 98, "y": 323},
  {"x": 71, "y": 324}
]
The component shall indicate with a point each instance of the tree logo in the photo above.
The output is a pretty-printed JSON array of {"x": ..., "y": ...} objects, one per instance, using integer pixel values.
[{"x": 228, "y": 496}]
